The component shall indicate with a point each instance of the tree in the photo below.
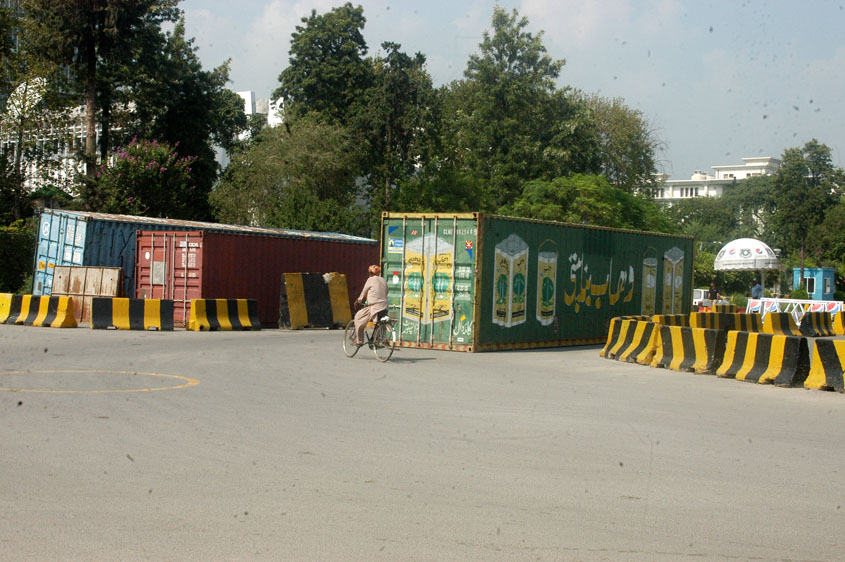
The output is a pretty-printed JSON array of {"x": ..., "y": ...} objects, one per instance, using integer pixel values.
[
  {"x": 87, "y": 33},
  {"x": 301, "y": 175},
  {"x": 752, "y": 201},
  {"x": 587, "y": 199},
  {"x": 508, "y": 123},
  {"x": 146, "y": 178},
  {"x": 626, "y": 144},
  {"x": 806, "y": 186},
  {"x": 394, "y": 118},
  {"x": 327, "y": 72},
  {"x": 207, "y": 115}
]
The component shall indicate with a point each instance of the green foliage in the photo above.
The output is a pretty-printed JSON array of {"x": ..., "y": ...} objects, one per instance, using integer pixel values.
[
  {"x": 299, "y": 176},
  {"x": 506, "y": 123},
  {"x": 740, "y": 300},
  {"x": 394, "y": 120},
  {"x": 626, "y": 145},
  {"x": 17, "y": 248},
  {"x": 800, "y": 294},
  {"x": 326, "y": 73},
  {"x": 147, "y": 178},
  {"x": 439, "y": 188},
  {"x": 207, "y": 114},
  {"x": 805, "y": 187},
  {"x": 586, "y": 199},
  {"x": 88, "y": 35}
]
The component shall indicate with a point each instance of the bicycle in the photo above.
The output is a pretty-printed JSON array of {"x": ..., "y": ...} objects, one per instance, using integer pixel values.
[{"x": 381, "y": 339}]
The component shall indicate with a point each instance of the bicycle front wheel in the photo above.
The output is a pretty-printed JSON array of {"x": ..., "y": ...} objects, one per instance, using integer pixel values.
[
  {"x": 383, "y": 341},
  {"x": 349, "y": 346}
]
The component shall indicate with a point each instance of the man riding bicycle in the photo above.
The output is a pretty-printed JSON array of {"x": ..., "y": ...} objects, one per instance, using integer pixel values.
[{"x": 374, "y": 294}]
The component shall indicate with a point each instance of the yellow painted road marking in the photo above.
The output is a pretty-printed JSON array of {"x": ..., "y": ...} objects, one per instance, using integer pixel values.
[{"x": 188, "y": 382}]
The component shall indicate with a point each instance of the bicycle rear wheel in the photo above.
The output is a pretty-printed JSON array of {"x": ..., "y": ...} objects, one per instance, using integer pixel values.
[
  {"x": 349, "y": 347},
  {"x": 383, "y": 341}
]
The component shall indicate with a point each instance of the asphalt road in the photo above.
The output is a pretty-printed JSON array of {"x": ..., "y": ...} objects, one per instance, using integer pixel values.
[{"x": 274, "y": 446}]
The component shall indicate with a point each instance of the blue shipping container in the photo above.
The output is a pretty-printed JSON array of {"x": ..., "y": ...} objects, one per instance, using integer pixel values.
[{"x": 105, "y": 240}]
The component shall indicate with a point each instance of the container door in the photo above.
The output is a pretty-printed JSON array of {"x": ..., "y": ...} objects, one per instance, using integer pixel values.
[
  {"x": 169, "y": 266},
  {"x": 61, "y": 241},
  {"x": 429, "y": 264}
]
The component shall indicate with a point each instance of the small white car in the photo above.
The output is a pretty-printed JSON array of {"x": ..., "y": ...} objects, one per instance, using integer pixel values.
[{"x": 699, "y": 295}]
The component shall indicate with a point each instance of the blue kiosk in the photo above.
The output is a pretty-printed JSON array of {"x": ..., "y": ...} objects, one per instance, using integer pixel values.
[{"x": 819, "y": 282}]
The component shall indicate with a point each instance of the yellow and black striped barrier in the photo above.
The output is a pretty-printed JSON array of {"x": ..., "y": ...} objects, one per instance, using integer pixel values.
[
  {"x": 612, "y": 336},
  {"x": 671, "y": 319},
  {"x": 839, "y": 323},
  {"x": 621, "y": 337},
  {"x": 766, "y": 358},
  {"x": 6, "y": 306},
  {"x": 641, "y": 345},
  {"x": 747, "y": 322},
  {"x": 780, "y": 323},
  {"x": 131, "y": 314},
  {"x": 698, "y": 350},
  {"x": 314, "y": 300},
  {"x": 724, "y": 308},
  {"x": 31, "y": 310},
  {"x": 223, "y": 314},
  {"x": 827, "y": 366},
  {"x": 711, "y": 320},
  {"x": 816, "y": 324}
]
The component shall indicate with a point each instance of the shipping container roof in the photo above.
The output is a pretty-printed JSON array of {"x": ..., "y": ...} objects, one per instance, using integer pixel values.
[{"x": 217, "y": 227}]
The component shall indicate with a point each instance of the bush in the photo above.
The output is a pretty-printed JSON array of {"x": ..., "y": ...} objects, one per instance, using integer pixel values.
[
  {"x": 17, "y": 248},
  {"x": 800, "y": 294},
  {"x": 839, "y": 296},
  {"x": 740, "y": 300}
]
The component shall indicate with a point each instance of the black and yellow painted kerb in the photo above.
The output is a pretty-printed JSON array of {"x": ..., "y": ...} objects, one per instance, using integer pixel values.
[
  {"x": 131, "y": 314},
  {"x": 827, "y": 366},
  {"x": 781, "y": 323},
  {"x": 724, "y": 308},
  {"x": 30, "y": 310},
  {"x": 223, "y": 314},
  {"x": 314, "y": 300},
  {"x": 816, "y": 324},
  {"x": 766, "y": 358},
  {"x": 698, "y": 350}
]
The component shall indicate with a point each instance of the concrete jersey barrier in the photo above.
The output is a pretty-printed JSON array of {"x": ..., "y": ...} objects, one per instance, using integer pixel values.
[
  {"x": 816, "y": 324},
  {"x": 224, "y": 314},
  {"x": 131, "y": 314},
  {"x": 314, "y": 300},
  {"x": 766, "y": 358},
  {"x": 827, "y": 366},
  {"x": 30, "y": 310},
  {"x": 698, "y": 350}
]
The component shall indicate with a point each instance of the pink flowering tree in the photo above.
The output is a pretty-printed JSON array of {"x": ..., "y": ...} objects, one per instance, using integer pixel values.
[{"x": 147, "y": 178}]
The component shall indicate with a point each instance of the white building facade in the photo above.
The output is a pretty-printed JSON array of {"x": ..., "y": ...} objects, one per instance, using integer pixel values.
[{"x": 703, "y": 184}]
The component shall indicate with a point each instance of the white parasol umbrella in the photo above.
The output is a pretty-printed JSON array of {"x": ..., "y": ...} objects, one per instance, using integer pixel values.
[{"x": 745, "y": 254}]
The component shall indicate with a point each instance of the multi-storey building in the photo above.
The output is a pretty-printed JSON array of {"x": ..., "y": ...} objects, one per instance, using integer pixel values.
[{"x": 703, "y": 184}]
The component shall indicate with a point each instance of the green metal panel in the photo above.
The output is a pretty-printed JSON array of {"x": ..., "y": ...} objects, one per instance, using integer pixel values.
[
  {"x": 429, "y": 263},
  {"x": 555, "y": 284}
]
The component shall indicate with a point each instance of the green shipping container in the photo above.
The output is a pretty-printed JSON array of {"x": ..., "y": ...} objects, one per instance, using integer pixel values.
[{"x": 476, "y": 282}]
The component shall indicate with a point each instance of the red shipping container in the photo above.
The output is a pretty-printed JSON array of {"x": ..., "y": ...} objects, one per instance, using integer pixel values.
[{"x": 181, "y": 266}]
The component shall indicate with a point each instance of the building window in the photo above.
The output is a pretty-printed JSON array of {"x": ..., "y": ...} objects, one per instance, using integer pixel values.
[
  {"x": 696, "y": 192},
  {"x": 811, "y": 285},
  {"x": 827, "y": 290}
]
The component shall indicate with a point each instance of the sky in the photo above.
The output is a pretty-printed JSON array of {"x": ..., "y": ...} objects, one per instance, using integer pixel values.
[{"x": 717, "y": 81}]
